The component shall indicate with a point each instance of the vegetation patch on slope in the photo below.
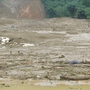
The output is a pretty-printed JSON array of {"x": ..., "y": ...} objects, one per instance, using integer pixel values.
[{"x": 67, "y": 8}]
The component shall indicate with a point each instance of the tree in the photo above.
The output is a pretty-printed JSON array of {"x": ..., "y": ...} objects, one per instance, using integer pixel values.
[
  {"x": 51, "y": 12},
  {"x": 81, "y": 14},
  {"x": 85, "y": 2},
  {"x": 67, "y": 8},
  {"x": 72, "y": 9},
  {"x": 87, "y": 10},
  {"x": 59, "y": 11}
]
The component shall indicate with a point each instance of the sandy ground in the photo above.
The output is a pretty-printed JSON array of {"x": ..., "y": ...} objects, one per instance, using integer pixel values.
[
  {"x": 59, "y": 87},
  {"x": 39, "y": 85},
  {"x": 23, "y": 87},
  {"x": 38, "y": 49}
]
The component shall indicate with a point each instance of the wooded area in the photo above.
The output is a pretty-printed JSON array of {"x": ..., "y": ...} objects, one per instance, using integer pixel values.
[{"x": 67, "y": 8}]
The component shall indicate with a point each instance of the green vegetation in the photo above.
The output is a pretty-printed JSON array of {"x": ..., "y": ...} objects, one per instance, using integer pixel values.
[{"x": 67, "y": 8}]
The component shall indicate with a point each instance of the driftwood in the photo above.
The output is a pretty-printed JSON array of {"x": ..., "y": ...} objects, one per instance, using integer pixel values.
[{"x": 75, "y": 77}]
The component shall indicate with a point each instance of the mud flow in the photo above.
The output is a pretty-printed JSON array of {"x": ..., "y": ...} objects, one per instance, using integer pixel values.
[{"x": 43, "y": 50}]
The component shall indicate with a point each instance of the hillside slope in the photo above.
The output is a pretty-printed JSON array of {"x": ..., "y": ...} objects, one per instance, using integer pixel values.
[{"x": 22, "y": 9}]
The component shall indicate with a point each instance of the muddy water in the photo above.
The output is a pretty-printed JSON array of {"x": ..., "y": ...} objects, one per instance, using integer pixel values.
[{"x": 59, "y": 87}]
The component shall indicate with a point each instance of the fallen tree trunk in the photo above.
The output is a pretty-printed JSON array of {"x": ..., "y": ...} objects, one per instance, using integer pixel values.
[{"x": 75, "y": 77}]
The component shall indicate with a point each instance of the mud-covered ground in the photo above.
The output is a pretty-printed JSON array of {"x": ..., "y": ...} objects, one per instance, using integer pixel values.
[{"x": 41, "y": 49}]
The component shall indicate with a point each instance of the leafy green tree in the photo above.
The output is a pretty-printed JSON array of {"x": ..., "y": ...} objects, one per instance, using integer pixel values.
[
  {"x": 51, "y": 12},
  {"x": 72, "y": 9},
  {"x": 67, "y": 8},
  {"x": 85, "y": 2},
  {"x": 87, "y": 10},
  {"x": 81, "y": 14},
  {"x": 59, "y": 11}
]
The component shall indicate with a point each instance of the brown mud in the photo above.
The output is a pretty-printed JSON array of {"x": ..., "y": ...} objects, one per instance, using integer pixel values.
[{"x": 40, "y": 49}]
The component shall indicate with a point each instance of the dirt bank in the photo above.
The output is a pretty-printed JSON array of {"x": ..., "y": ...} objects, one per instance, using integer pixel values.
[{"x": 22, "y": 9}]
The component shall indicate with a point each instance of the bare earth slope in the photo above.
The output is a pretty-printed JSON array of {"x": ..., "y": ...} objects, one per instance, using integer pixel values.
[{"x": 22, "y": 9}]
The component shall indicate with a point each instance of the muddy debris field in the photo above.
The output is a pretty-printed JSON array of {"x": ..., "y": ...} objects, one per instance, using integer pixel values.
[{"x": 42, "y": 49}]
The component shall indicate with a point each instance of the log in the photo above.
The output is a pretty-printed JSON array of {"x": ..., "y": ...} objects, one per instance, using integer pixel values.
[{"x": 75, "y": 77}]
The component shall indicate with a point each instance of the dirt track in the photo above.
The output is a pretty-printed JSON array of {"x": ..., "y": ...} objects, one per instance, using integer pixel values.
[{"x": 38, "y": 49}]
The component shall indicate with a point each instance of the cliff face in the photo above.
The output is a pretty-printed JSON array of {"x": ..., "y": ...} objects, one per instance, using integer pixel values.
[{"x": 22, "y": 9}]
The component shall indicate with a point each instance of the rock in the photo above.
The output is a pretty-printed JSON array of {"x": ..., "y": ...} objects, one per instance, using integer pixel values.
[
  {"x": 75, "y": 62},
  {"x": 62, "y": 56}
]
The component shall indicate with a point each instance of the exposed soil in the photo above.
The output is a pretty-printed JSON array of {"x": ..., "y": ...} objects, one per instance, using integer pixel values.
[
  {"x": 42, "y": 49},
  {"x": 22, "y": 9}
]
